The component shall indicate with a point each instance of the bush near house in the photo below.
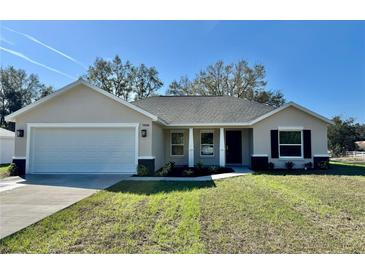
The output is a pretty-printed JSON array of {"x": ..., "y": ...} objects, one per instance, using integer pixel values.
[
  {"x": 170, "y": 170},
  {"x": 13, "y": 170},
  {"x": 142, "y": 170},
  {"x": 289, "y": 165}
]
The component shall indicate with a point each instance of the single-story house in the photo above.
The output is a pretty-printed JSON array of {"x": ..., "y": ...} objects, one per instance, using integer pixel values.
[
  {"x": 7, "y": 139},
  {"x": 84, "y": 129},
  {"x": 360, "y": 145}
]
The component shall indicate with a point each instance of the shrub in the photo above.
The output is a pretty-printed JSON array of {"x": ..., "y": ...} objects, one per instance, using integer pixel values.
[
  {"x": 13, "y": 170},
  {"x": 199, "y": 165},
  {"x": 166, "y": 169},
  {"x": 142, "y": 170},
  {"x": 214, "y": 169},
  {"x": 270, "y": 165},
  {"x": 308, "y": 165},
  {"x": 289, "y": 165},
  {"x": 188, "y": 172},
  {"x": 323, "y": 165},
  {"x": 338, "y": 151}
]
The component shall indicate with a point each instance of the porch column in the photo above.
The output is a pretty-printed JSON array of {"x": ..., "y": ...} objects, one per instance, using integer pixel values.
[
  {"x": 191, "y": 148},
  {"x": 222, "y": 148}
]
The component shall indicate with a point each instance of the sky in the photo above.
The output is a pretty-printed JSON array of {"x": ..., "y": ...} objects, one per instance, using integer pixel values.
[{"x": 317, "y": 64}]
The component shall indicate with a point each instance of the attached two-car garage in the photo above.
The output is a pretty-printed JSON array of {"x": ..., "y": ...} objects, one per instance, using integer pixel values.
[
  {"x": 82, "y": 129},
  {"x": 82, "y": 149}
]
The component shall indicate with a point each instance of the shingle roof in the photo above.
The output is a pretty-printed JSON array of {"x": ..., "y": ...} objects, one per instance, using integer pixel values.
[
  {"x": 6, "y": 133},
  {"x": 203, "y": 109}
]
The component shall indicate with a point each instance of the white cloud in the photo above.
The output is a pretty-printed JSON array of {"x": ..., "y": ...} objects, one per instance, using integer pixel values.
[
  {"x": 35, "y": 40},
  {"x": 2, "y": 39},
  {"x": 21, "y": 55}
]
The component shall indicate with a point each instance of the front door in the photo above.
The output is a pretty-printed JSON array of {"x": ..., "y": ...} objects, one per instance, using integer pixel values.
[{"x": 233, "y": 147}]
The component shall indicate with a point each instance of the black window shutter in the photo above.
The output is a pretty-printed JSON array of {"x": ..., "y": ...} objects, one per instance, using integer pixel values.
[
  {"x": 307, "y": 143},
  {"x": 274, "y": 144}
]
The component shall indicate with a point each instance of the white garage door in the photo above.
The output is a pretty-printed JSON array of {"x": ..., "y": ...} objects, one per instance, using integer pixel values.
[{"x": 82, "y": 150}]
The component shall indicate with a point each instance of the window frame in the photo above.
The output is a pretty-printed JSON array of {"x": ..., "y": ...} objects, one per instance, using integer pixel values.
[
  {"x": 201, "y": 144},
  {"x": 301, "y": 143},
  {"x": 183, "y": 143}
]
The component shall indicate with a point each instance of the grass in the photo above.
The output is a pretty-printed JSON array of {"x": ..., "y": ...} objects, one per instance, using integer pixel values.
[
  {"x": 350, "y": 160},
  {"x": 278, "y": 212},
  {"x": 4, "y": 170}
]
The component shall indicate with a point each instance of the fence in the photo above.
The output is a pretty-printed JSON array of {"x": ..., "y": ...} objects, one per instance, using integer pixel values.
[{"x": 356, "y": 154}]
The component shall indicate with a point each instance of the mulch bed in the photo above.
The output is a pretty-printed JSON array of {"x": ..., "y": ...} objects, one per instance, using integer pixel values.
[{"x": 196, "y": 172}]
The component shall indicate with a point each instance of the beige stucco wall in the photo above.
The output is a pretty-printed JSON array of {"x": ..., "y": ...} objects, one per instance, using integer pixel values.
[
  {"x": 83, "y": 105},
  {"x": 158, "y": 145},
  {"x": 290, "y": 117}
]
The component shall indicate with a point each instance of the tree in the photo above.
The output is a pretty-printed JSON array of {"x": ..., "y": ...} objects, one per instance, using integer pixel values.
[
  {"x": 342, "y": 135},
  {"x": 146, "y": 82},
  {"x": 113, "y": 76},
  {"x": 360, "y": 129},
  {"x": 17, "y": 90},
  {"x": 182, "y": 87},
  {"x": 124, "y": 79},
  {"x": 237, "y": 79}
]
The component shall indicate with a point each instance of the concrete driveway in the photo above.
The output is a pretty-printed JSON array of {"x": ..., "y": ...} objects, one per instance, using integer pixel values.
[{"x": 38, "y": 196}]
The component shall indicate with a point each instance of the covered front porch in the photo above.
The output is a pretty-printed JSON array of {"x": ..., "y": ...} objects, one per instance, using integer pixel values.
[{"x": 230, "y": 146}]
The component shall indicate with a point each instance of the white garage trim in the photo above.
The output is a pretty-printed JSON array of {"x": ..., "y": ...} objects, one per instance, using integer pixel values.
[
  {"x": 79, "y": 125},
  {"x": 146, "y": 157}
]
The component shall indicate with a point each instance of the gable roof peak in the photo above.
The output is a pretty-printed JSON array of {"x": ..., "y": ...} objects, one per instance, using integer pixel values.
[{"x": 11, "y": 117}]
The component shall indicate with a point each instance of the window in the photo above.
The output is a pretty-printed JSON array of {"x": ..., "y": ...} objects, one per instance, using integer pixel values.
[
  {"x": 290, "y": 143},
  {"x": 177, "y": 143},
  {"x": 206, "y": 143}
]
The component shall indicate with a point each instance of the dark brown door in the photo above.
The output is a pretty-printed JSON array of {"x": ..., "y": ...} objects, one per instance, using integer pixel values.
[{"x": 233, "y": 147}]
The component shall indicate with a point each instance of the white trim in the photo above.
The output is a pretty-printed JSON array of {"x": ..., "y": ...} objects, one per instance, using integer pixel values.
[
  {"x": 11, "y": 117},
  {"x": 218, "y": 125},
  {"x": 290, "y": 128},
  {"x": 321, "y": 155},
  {"x": 80, "y": 125},
  {"x": 19, "y": 158},
  {"x": 191, "y": 148},
  {"x": 136, "y": 145},
  {"x": 171, "y": 144},
  {"x": 292, "y": 104},
  {"x": 146, "y": 157},
  {"x": 259, "y": 155},
  {"x": 83, "y": 125},
  {"x": 201, "y": 144},
  {"x": 301, "y": 143},
  {"x": 222, "y": 148}
]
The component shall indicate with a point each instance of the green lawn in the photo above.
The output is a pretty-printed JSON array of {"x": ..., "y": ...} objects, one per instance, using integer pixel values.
[
  {"x": 296, "y": 212},
  {"x": 3, "y": 170}
]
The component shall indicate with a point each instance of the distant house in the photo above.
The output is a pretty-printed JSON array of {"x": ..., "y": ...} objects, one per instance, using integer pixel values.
[
  {"x": 360, "y": 145},
  {"x": 7, "y": 139},
  {"x": 84, "y": 129}
]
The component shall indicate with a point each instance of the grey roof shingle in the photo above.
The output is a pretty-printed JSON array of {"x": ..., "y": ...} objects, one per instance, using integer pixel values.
[{"x": 203, "y": 109}]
